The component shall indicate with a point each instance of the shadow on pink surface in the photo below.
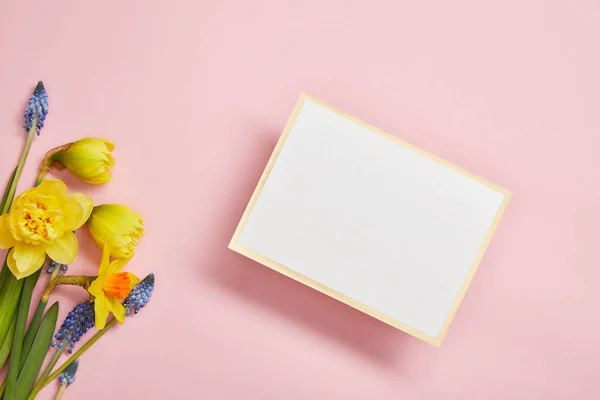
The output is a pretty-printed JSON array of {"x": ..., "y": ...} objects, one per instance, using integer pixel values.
[{"x": 304, "y": 306}]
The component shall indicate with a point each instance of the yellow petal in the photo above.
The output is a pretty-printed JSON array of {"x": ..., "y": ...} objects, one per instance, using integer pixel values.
[
  {"x": 133, "y": 280},
  {"x": 101, "y": 308},
  {"x": 99, "y": 179},
  {"x": 63, "y": 249},
  {"x": 7, "y": 239},
  {"x": 109, "y": 145},
  {"x": 95, "y": 288},
  {"x": 73, "y": 213},
  {"x": 24, "y": 259},
  {"x": 117, "y": 308},
  {"x": 105, "y": 261},
  {"x": 12, "y": 265},
  {"x": 110, "y": 161},
  {"x": 53, "y": 186},
  {"x": 78, "y": 207},
  {"x": 116, "y": 265}
]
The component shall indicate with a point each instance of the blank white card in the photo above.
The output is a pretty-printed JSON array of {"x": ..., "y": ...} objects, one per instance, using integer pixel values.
[{"x": 370, "y": 220}]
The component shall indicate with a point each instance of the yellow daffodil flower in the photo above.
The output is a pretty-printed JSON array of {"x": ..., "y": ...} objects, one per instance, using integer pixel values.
[
  {"x": 110, "y": 288},
  {"x": 41, "y": 221},
  {"x": 117, "y": 226},
  {"x": 89, "y": 159}
]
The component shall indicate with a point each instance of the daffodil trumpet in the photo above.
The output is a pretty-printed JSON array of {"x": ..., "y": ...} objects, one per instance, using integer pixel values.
[{"x": 118, "y": 227}]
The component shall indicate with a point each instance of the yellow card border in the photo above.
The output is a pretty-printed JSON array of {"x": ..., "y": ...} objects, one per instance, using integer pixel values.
[{"x": 233, "y": 245}]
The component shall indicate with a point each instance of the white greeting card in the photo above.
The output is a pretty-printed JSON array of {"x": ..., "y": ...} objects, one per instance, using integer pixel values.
[{"x": 370, "y": 220}]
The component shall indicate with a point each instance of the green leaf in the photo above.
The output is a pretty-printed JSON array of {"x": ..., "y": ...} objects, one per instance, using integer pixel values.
[
  {"x": 15, "y": 353},
  {"x": 9, "y": 300},
  {"x": 7, "y": 344},
  {"x": 5, "y": 271},
  {"x": 32, "y": 330},
  {"x": 38, "y": 352},
  {"x": 10, "y": 290}
]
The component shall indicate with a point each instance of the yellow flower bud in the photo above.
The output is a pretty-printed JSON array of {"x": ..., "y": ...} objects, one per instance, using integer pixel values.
[
  {"x": 89, "y": 159},
  {"x": 118, "y": 227}
]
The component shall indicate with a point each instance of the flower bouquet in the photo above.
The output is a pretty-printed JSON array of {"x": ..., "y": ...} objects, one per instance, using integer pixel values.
[{"x": 37, "y": 227}]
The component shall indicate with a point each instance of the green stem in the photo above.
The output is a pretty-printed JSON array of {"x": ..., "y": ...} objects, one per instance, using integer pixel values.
[
  {"x": 77, "y": 354},
  {"x": 51, "y": 364},
  {"x": 39, "y": 180},
  {"x": 60, "y": 392},
  {"x": 8, "y": 186},
  {"x": 20, "y": 165},
  {"x": 37, "y": 319}
]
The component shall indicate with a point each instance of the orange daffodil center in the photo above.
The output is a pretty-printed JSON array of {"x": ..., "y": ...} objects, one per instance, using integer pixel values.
[
  {"x": 42, "y": 221},
  {"x": 118, "y": 284},
  {"x": 110, "y": 288}
]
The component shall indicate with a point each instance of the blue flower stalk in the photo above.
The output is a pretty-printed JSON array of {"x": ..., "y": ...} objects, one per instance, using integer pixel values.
[
  {"x": 53, "y": 265},
  {"x": 37, "y": 109},
  {"x": 139, "y": 295},
  {"x": 78, "y": 322},
  {"x": 66, "y": 378},
  {"x": 35, "y": 116}
]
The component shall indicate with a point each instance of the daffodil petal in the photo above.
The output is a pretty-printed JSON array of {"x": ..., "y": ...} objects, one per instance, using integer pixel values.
[
  {"x": 12, "y": 265},
  {"x": 7, "y": 240},
  {"x": 100, "y": 179},
  {"x": 95, "y": 289},
  {"x": 116, "y": 265},
  {"x": 133, "y": 280},
  {"x": 109, "y": 145},
  {"x": 24, "y": 259},
  {"x": 105, "y": 261},
  {"x": 53, "y": 186},
  {"x": 117, "y": 308},
  {"x": 73, "y": 213},
  {"x": 78, "y": 207},
  {"x": 110, "y": 161},
  {"x": 101, "y": 308},
  {"x": 63, "y": 249}
]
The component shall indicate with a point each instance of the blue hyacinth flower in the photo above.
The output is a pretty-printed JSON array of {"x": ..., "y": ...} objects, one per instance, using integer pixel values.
[
  {"x": 52, "y": 265},
  {"x": 37, "y": 105},
  {"x": 67, "y": 377},
  {"x": 139, "y": 295},
  {"x": 77, "y": 323}
]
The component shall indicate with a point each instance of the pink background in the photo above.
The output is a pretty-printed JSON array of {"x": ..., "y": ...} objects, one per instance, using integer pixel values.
[{"x": 195, "y": 95}]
